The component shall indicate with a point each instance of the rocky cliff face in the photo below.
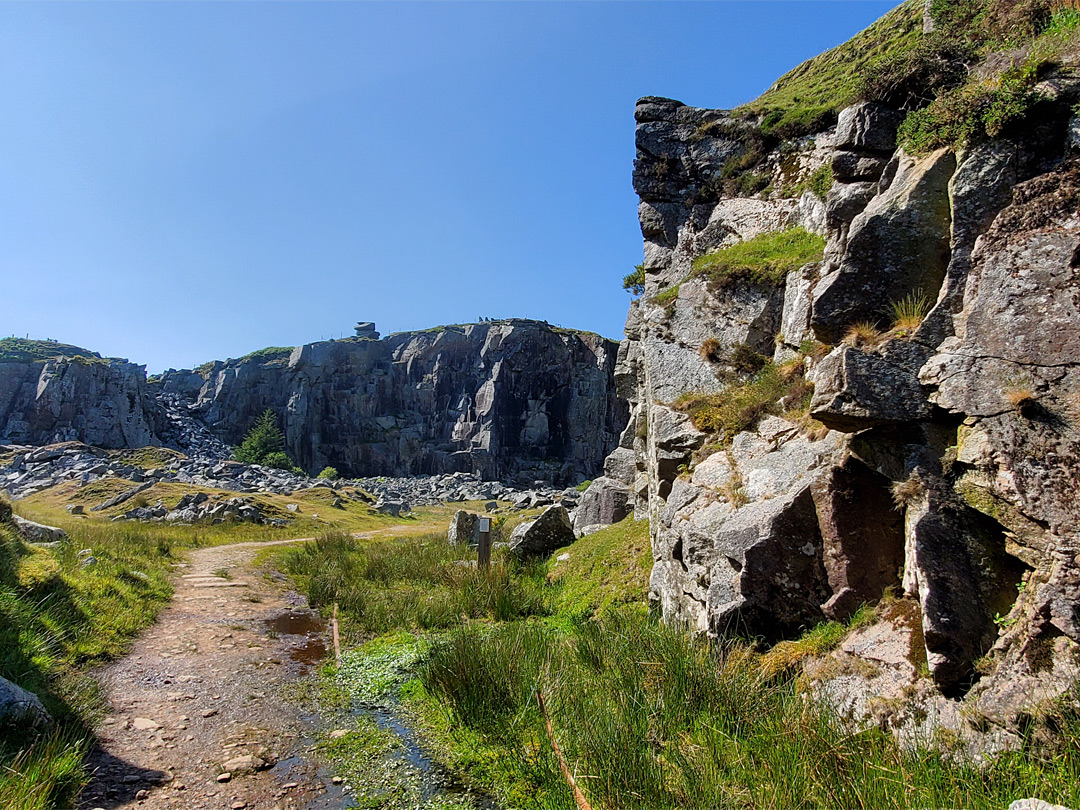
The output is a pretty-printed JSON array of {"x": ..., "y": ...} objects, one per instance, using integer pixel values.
[
  {"x": 101, "y": 402},
  {"x": 931, "y": 459},
  {"x": 511, "y": 399},
  {"x": 506, "y": 399}
]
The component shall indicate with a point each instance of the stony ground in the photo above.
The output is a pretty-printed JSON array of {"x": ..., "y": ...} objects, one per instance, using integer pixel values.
[{"x": 210, "y": 690}]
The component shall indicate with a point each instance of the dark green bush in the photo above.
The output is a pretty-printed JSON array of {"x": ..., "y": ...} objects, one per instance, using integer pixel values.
[{"x": 265, "y": 444}]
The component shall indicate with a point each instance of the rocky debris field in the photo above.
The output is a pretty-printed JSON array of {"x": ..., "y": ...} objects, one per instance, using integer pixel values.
[{"x": 33, "y": 469}]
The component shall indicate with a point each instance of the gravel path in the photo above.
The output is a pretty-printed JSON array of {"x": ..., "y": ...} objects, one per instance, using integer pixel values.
[{"x": 208, "y": 687}]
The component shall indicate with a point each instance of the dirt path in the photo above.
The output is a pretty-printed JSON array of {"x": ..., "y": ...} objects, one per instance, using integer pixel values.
[{"x": 209, "y": 684}]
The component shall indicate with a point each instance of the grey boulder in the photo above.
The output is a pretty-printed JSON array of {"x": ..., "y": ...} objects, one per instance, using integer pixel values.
[
  {"x": 19, "y": 706},
  {"x": 550, "y": 531}
]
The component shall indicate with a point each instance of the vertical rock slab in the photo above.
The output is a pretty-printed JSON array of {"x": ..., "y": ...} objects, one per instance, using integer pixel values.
[
  {"x": 899, "y": 244},
  {"x": 862, "y": 537}
]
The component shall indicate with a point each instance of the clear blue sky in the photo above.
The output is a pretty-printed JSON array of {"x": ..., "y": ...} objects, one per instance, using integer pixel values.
[{"x": 187, "y": 181}]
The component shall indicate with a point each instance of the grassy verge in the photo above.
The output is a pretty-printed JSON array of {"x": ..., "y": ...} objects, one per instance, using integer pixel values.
[
  {"x": 647, "y": 716},
  {"x": 60, "y": 616}
]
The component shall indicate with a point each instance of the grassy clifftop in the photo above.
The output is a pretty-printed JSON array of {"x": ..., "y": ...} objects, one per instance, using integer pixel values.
[
  {"x": 806, "y": 98},
  {"x": 20, "y": 350}
]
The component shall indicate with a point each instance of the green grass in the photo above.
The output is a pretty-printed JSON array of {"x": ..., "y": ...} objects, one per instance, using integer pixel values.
[
  {"x": 765, "y": 259},
  {"x": 667, "y": 296},
  {"x": 806, "y": 99},
  {"x": 818, "y": 182},
  {"x": 607, "y": 568},
  {"x": 20, "y": 350},
  {"x": 740, "y": 404},
  {"x": 648, "y": 717},
  {"x": 413, "y": 584},
  {"x": 57, "y": 619}
]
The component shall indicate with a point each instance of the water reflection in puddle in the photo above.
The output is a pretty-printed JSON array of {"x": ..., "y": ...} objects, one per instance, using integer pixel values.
[{"x": 312, "y": 649}]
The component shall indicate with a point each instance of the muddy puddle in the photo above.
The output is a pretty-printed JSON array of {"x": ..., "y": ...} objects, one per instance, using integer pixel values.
[
  {"x": 310, "y": 648},
  {"x": 432, "y": 779}
]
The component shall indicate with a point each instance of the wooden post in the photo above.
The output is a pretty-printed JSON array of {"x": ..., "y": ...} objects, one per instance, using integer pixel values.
[
  {"x": 483, "y": 546},
  {"x": 337, "y": 639}
]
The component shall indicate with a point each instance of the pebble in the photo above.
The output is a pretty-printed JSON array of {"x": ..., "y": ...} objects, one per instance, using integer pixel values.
[
  {"x": 145, "y": 724},
  {"x": 208, "y": 712},
  {"x": 224, "y": 777},
  {"x": 337, "y": 780},
  {"x": 142, "y": 795},
  {"x": 238, "y": 805}
]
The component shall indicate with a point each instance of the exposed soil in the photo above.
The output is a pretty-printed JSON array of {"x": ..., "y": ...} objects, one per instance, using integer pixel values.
[{"x": 208, "y": 683}]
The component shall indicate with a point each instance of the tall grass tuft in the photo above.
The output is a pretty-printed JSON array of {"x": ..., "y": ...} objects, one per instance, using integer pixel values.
[
  {"x": 649, "y": 717},
  {"x": 418, "y": 583}
]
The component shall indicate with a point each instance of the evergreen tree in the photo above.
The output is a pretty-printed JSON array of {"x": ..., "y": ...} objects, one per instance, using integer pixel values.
[{"x": 264, "y": 438}]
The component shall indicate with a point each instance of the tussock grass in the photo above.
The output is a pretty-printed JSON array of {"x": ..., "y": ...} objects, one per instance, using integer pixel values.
[
  {"x": 417, "y": 583},
  {"x": 864, "y": 335},
  {"x": 647, "y": 715},
  {"x": 908, "y": 313},
  {"x": 650, "y": 718},
  {"x": 765, "y": 259}
]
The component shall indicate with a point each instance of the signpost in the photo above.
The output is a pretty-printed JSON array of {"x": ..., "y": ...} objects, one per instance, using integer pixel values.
[{"x": 483, "y": 545}]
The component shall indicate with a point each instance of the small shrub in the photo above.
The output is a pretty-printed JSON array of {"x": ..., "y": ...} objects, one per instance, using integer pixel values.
[
  {"x": 279, "y": 461},
  {"x": 746, "y": 359},
  {"x": 5, "y": 510},
  {"x": 328, "y": 474},
  {"x": 912, "y": 78},
  {"x": 764, "y": 260},
  {"x": 634, "y": 282},
  {"x": 710, "y": 349}
]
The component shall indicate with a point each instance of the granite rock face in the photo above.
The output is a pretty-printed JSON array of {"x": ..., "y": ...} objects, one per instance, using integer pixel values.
[
  {"x": 511, "y": 399},
  {"x": 514, "y": 399},
  {"x": 105, "y": 403},
  {"x": 934, "y": 461}
]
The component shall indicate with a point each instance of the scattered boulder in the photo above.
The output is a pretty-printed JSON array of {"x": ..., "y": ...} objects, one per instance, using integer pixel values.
[
  {"x": 116, "y": 500},
  {"x": 394, "y": 508},
  {"x": 20, "y": 706},
  {"x": 464, "y": 528},
  {"x": 550, "y": 531},
  {"x": 606, "y": 501},
  {"x": 37, "y": 532}
]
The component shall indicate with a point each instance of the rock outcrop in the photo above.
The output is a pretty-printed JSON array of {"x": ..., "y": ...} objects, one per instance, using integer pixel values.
[
  {"x": 512, "y": 399},
  {"x": 933, "y": 460},
  {"x": 105, "y": 403}
]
